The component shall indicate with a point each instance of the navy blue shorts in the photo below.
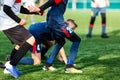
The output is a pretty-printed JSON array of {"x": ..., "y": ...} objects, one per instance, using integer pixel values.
[{"x": 62, "y": 32}]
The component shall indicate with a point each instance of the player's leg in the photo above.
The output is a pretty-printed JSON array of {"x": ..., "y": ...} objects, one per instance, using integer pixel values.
[
  {"x": 14, "y": 51},
  {"x": 22, "y": 50},
  {"x": 89, "y": 35},
  {"x": 53, "y": 54},
  {"x": 70, "y": 35},
  {"x": 26, "y": 61},
  {"x": 47, "y": 45},
  {"x": 36, "y": 56},
  {"x": 73, "y": 53},
  {"x": 62, "y": 55},
  {"x": 103, "y": 23},
  {"x": 94, "y": 13},
  {"x": 18, "y": 35},
  {"x": 35, "y": 53}
]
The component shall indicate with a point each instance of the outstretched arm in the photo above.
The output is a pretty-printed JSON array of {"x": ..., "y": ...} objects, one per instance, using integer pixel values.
[
  {"x": 26, "y": 11},
  {"x": 50, "y": 3},
  {"x": 7, "y": 9},
  {"x": 45, "y": 6}
]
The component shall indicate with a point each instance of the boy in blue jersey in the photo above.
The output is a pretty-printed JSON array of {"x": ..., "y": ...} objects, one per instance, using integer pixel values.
[{"x": 55, "y": 22}]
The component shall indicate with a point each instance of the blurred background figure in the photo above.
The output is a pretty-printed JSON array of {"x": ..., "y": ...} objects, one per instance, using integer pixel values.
[
  {"x": 96, "y": 7},
  {"x": 26, "y": 4}
]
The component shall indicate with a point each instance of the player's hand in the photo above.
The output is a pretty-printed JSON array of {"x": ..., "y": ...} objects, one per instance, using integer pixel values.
[{"x": 22, "y": 22}]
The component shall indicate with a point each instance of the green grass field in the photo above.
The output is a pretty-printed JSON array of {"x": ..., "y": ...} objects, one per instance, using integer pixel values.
[{"x": 98, "y": 58}]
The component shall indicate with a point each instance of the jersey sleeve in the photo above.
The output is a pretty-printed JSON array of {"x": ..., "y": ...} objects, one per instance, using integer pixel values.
[
  {"x": 7, "y": 9},
  {"x": 7, "y": 4}
]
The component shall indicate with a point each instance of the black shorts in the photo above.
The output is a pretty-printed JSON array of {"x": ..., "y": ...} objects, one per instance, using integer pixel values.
[{"x": 17, "y": 34}]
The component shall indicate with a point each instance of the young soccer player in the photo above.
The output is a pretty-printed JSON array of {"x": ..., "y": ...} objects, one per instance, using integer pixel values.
[
  {"x": 28, "y": 3},
  {"x": 55, "y": 21},
  {"x": 98, "y": 6},
  {"x": 43, "y": 35},
  {"x": 12, "y": 26}
]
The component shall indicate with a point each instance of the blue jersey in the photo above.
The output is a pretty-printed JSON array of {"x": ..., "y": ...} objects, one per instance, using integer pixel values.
[
  {"x": 55, "y": 14},
  {"x": 40, "y": 31}
]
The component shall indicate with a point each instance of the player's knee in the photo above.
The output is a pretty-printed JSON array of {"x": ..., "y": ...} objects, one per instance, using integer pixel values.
[
  {"x": 62, "y": 43},
  {"x": 31, "y": 40},
  {"x": 103, "y": 15}
]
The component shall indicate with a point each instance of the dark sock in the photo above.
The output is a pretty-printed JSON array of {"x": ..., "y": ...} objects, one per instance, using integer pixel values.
[
  {"x": 13, "y": 53},
  {"x": 20, "y": 53},
  {"x": 43, "y": 51},
  {"x": 69, "y": 65},
  {"x": 48, "y": 64},
  {"x": 103, "y": 16},
  {"x": 91, "y": 25}
]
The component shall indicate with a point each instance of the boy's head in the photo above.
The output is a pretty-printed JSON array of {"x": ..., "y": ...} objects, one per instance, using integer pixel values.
[{"x": 71, "y": 23}]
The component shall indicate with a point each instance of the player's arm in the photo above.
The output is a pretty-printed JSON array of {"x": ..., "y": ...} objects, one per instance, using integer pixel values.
[
  {"x": 50, "y": 3},
  {"x": 7, "y": 9},
  {"x": 26, "y": 11}
]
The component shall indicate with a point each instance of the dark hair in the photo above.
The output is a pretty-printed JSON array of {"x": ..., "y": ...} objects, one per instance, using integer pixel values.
[{"x": 73, "y": 21}]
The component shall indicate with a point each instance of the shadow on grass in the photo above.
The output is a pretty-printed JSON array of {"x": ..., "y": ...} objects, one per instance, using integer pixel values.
[
  {"x": 115, "y": 33},
  {"x": 106, "y": 68}
]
